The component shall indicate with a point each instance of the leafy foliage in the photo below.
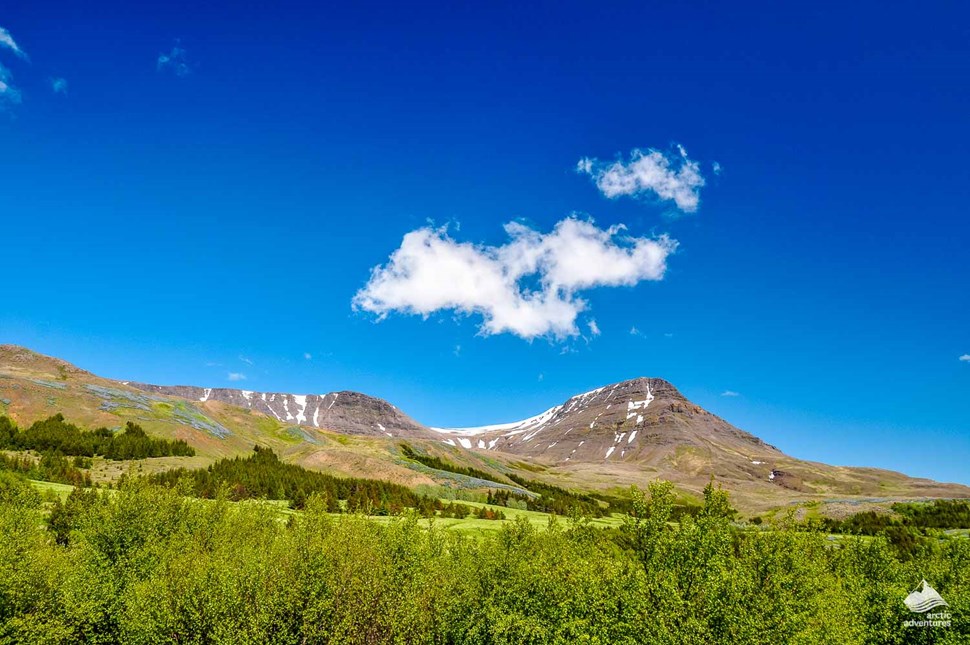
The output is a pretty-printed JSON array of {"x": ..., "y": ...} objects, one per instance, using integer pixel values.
[{"x": 146, "y": 564}]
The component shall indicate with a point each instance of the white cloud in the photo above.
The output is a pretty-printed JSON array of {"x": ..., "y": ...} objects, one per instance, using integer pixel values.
[
  {"x": 594, "y": 329},
  {"x": 457, "y": 350},
  {"x": 7, "y": 41},
  {"x": 247, "y": 361},
  {"x": 965, "y": 358},
  {"x": 236, "y": 376},
  {"x": 59, "y": 85},
  {"x": 635, "y": 332},
  {"x": 542, "y": 377},
  {"x": 716, "y": 167},
  {"x": 8, "y": 93},
  {"x": 432, "y": 272},
  {"x": 308, "y": 356},
  {"x": 174, "y": 61},
  {"x": 652, "y": 172},
  {"x": 730, "y": 393}
]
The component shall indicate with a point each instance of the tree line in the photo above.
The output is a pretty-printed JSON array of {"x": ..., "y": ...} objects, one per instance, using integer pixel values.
[
  {"x": 262, "y": 475},
  {"x": 50, "y": 467},
  {"x": 56, "y": 435},
  {"x": 440, "y": 464}
]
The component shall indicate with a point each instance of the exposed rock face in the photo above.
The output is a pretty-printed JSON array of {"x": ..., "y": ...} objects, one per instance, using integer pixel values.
[
  {"x": 348, "y": 412},
  {"x": 638, "y": 420}
]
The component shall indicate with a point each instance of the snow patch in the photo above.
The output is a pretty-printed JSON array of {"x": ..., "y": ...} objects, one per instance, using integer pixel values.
[
  {"x": 632, "y": 435},
  {"x": 640, "y": 405},
  {"x": 466, "y": 443},
  {"x": 610, "y": 452},
  {"x": 300, "y": 400},
  {"x": 205, "y": 396},
  {"x": 516, "y": 427}
]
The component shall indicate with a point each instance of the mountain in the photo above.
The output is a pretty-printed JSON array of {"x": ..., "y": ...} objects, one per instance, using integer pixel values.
[
  {"x": 607, "y": 439},
  {"x": 646, "y": 427},
  {"x": 636, "y": 421},
  {"x": 347, "y": 412}
]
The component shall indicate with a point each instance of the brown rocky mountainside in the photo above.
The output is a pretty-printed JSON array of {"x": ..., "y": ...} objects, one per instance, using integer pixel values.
[
  {"x": 347, "y": 412},
  {"x": 640, "y": 420}
]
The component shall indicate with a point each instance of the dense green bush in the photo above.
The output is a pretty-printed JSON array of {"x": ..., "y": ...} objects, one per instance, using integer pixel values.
[{"x": 146, "y": 564}]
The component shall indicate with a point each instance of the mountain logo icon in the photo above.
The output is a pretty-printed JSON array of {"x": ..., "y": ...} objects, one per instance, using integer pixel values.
[{"x": 923, "y": 599}]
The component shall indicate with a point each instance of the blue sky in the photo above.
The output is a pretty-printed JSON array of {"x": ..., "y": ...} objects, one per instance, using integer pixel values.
[{"x": 192, "y": 192}]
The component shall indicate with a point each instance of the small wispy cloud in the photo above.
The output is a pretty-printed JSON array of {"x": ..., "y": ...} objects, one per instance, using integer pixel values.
[
  {"x": 529, "y": 287},
  {"x": 635, "y": 332},
  {"x": 308, "y": 356},
  {"x": 9, "y": 94},
  {"x": 730, "y": 393},
  {"x": 247, "y": 361},
  {"x": 236, "y": 376},
  {"x": 669, "y": 177},
  {"x": 716, "y": 167},
  {"x": 542, "y": 377},
  {"x": 965, "y": 358},
  {"x": 594, "y": 329},
  {"x": 7, "y": 42},
  {"x": 59, "y": 85},
  {"x": 668, "y": 335},
  {"x": 175, "y": 61},
  {"x": 457, "y": 350}
]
